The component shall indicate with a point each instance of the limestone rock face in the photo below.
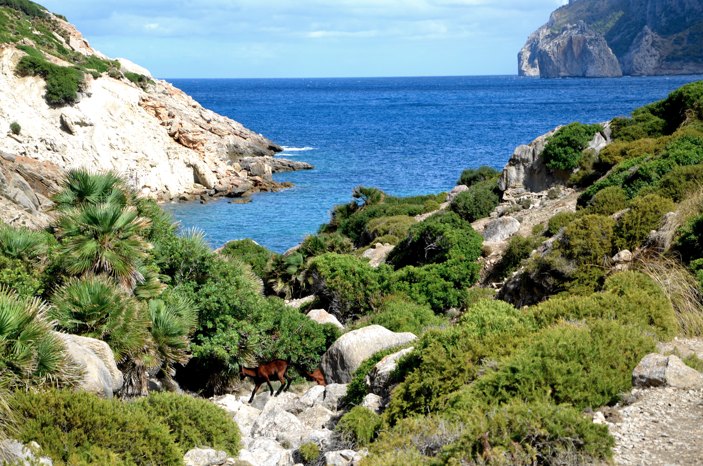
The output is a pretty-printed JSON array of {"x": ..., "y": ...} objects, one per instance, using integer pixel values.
[
  {"x": 95, "y": 358},
  {"x": 644, "y": 57},
  {"x": 656, "y": 370},
  {"x": 351, "y": 349},
  {"x": 575, "y": 51},
  {"x": 500, "y": 229}
]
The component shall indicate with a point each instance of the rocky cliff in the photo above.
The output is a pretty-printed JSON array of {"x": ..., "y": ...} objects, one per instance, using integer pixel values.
[
  {"x": 605, "y": 38},
  {"x": 161, "y": 140}
]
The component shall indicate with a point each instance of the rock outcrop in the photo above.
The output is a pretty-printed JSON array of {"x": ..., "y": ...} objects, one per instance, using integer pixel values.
[
  {"x": 602, "y": 38},
  {"x": 574, "y": 51},
  {"x": 158, "y": 138},
  {"x": 95, "y": 359},
  {"x": 351, "y": 349}
]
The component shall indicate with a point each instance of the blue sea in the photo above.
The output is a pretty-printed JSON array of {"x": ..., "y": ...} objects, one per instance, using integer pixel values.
[{"x": 406, "y": 136}]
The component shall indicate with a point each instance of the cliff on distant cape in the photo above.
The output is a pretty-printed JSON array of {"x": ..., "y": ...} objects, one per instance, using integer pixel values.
[
  {"x": 606, "y": 38},
  {"x": 158, "y": 138}
]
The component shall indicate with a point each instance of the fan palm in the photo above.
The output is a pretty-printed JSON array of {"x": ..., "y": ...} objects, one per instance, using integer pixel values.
[
  {"x": 30, "y": 354},
  {"x": 104, "y": 238},
  {"x": 94, "y": 307},
  {"x": 83, "y": 187},
  {"x": 172, "y": 323},
  {"x": 22, "y": 243}
]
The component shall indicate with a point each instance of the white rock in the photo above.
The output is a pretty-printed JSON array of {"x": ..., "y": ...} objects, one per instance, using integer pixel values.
[
  {"x": 623, "y": 256},
  {"x": 14, "y": 453},
  {"x": 656, "y": 370},
  {"x": 317, "y": 417},
  {"x": 266, "y": 452},
  {"x": 456, "y": 190},
  {"x": 500, "y": 229},
  {"x": 323, "y": 317},
  {"x": 281, "y": 426},
  {"x": 95, "y": 358},
  {"x": 314, "y": 395},
  {"x": 378, "y": 254},
  {"x": 132, "y": 67},
  {"x": 351, "y": 349},
  {"x": 300, "y": 302},
  {"x": 377, "y": 379},
  {"x": 334, "y": 393},
  {"x": 372, "y": 402},
  {"x": 204, "y": 457},
  {"x": 344, "y": 457}
]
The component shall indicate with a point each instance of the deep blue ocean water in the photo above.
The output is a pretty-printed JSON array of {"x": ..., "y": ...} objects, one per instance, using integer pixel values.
[{"x": 404, "y": 135}]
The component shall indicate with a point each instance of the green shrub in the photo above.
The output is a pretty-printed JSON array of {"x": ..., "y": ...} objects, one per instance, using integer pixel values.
[
  {"x": 193, "y": 422},
  {"x": 138, "y": 79},
  {"x": 29, "y": 8},
  {"x": 359, "y": 426},
  {"x": 588, "y": 239},
  {"x": 399, "y": 314},
  {"x": 309, "y": 452},
  {"x": 471, "y": 176},
  {"x": 519, "y": 248},
  {"x": 645, "y": 215},
  {"x": 564, "y": 149},
  {"x": 441, "y": 286},
  {"x": 477, "y": 202},
  {"x": 397, "y": 226},
  {"x": 585, "y": 366},
  {"x": 346, "y": 286},
  {"x": 630, "y": 298},
  {"x": 443, "y": 236},
  {"x": 682, "y": 182},
  {"x": 357, "y": 388},
  {"x": 78, "y": 428},
  {"x": 643, "y": 124},
  {"x": 21, "y": 276},
  {"x": 689, "y": 240},
  {"x": 62, "y": 83},
  {"x": 520, "y": 433},
  {"x": 30, "y": 354},
  {"x": 619, "y": 151},
  {"x": 250, "y": 253},
  {"x": 315, "y": 245},
  {"x": 559, "y": 221},
  {"x": 15, "y": 128},
  {"x": 608, "y": 201}
]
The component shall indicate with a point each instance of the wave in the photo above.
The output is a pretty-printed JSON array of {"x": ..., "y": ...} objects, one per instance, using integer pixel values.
[{"x": 297, "y": 149}]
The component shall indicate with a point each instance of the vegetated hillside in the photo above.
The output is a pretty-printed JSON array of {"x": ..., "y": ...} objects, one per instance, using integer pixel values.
[
  {"x": 648, "y": 37},
  {"x": 498, "y": 381}
]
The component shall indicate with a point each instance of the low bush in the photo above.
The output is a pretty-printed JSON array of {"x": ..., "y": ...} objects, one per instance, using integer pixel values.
[
  {"x": 443, "y": 236},
  {"x": 397, "y": 226},
  {"x": 471, "y": 176},
  {"x": 519, "y": 248},
  {"x": 681, "y": 182},
  {"x": 359, "y": 426},
  {"x": 315, "y": 245},
  {"x": 478, "y": 201},
  {"x": 337, "y": 281},
  {"x": 27, "y": 7},
  {"x": 309, "y": 452},
  {"x": 250, "y": 253},
  {"x": 399, "y": 314},
  {"x": 15, "y": 128},
  {"x": 138, "y": 79},
  {"x": 559, "y": 221},
  {"x": 608, "y": 201},
  {"x": 78, "y": 428},
  {"x": 585, "y": 366},
  {"x": 357, "y": 388},
  {"x": 588, "y": 239},
  {"x": 619, "y": 151},
  {"x": 193, "y": 422},
  {"x": 645, "y": 215},
  {"x": 630, "y": 298},
  {"x": 62, "y": 83},
  {"x": 643, "y": 124},
  {"x": 564, "y": 149}
]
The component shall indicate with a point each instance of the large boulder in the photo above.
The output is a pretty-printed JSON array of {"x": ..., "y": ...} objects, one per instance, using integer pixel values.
[
  {"x": 500, "y": 229},
  {"x": 244, "y": 415},
  {"x": 351, "y": 349},
  {"x": 657, "y": 370},
  {"x": 323, "y": 317},
  {"x": 97, "y": 362},
  {"x": 281, "y": 426},
  {"x": 205, "y": 457}
]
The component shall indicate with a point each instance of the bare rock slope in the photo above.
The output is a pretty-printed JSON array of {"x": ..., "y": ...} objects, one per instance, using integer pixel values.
[{"x": 161, "y": 140}]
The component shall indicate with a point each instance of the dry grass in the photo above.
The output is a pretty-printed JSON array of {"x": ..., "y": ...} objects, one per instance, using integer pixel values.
[
  {"x": 680, "y": 287},
  {"x": 690, "y": 207}
]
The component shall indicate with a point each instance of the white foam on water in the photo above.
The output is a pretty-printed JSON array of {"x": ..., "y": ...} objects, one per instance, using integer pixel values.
[{"x": 297, "y": 149}]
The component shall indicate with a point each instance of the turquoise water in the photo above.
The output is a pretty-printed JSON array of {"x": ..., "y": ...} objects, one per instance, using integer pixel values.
[{"x": 405, "y": 135}]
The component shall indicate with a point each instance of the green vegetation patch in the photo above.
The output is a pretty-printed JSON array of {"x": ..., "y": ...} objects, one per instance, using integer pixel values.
[
  {"x": 359, "y": 426},
  {"x": 249, "y": 252},
  {"x": 564, "y": 148},
  {"x": 62, "y": 83},
  {"x": 478, "y": 201},
  {"x": 25, "y": 6}
]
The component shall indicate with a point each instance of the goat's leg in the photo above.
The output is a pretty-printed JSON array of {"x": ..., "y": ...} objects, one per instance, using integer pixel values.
[
  {"x": 283, "y": 383},
  {"x": 268, "y": 382},
  {"x": 256, "y": 388}
]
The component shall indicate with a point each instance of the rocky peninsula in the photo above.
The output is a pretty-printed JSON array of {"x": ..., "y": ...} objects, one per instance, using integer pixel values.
[{"x": 593, "y": 38}]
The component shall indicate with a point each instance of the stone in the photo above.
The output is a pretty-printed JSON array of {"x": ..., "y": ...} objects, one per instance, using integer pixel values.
[
  {"x": 266, "y": 452},
  {"x": 95, "y": 358},
  {"x": 13, "y": 452},
  {"x": 316, "y": 417},
  {"x": 622, "y": 256},
  {"x": 244, "y": 415},
  {"x": 132, "y": 67},
  {"x": 300, "y": 302},
  {"x": 281, "y": 426},
  {"x": 351, "y": 349},
  {"x": 372, "y": 402},
  {"x": 378, "y": 254},
  {"x": 333, "y": 396},
  {"x": 456, "y": 190},
  {"x": 312, "y": 396},
  {"x": 657, "y": 370},
  {"x": 323, "y": 317},
  {"x": 344, "y": 457},
  {"x": 378, "y": 377},
  {"x": 203, "y": 175},
  {"x": 500, "y": 229},
  {"x": 205, "y": 457}
]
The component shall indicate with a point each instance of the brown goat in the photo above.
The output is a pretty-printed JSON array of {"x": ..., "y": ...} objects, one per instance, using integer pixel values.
[{"x": 277, "y": 369}]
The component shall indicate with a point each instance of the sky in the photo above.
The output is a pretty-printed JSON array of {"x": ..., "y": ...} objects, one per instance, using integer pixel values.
[{"x": 310, "y": 38}]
